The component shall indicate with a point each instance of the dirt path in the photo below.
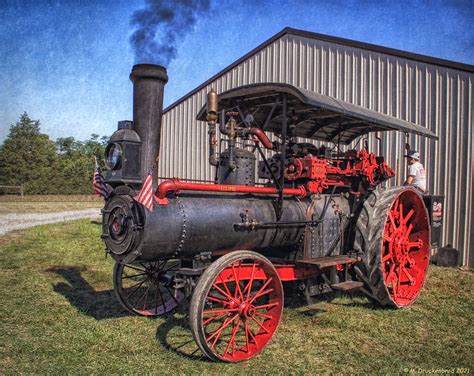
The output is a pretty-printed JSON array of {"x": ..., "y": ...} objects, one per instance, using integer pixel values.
[{"x": 14, "y": 221}]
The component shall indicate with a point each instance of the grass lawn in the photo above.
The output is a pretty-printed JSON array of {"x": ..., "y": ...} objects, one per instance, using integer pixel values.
[
  {"x": 59, "y": 315},
  {"x": 48, "y": 204}
]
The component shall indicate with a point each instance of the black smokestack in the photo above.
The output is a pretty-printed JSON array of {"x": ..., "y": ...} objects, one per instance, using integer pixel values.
[
  {"x": 148, "y": 86},
  {"x": 161, "y": 26}
]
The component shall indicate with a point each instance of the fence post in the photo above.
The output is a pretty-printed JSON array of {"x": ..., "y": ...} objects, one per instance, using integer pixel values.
[{"x": 21, "y": 191}]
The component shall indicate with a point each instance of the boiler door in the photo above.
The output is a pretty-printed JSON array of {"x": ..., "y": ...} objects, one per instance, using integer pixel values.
[{"x": 121, "y": 222}]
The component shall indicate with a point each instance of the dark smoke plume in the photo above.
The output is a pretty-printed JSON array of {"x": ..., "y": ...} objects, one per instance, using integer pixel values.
[{"x": 161, "y": 26}]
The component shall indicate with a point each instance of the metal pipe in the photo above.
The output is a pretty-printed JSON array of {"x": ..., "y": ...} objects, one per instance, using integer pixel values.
[
  {"x": 212, "y": 144},
  {"x": 262, "y": 137},
  {"x": 229, "y": 129},
  {"x": 258, "y": 226},
  {"x": 212, "y": 108},
  {"x": 148, "y": 87},
  {"x": 223, "y": 128},
  {"x": 175, "y": 185}
]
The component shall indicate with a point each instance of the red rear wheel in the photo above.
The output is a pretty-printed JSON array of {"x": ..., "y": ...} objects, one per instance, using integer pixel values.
[
  {"x": 406, "y": 248},
  {"x": 236, "y": 306},
  {"x": 393, "y": 233}
]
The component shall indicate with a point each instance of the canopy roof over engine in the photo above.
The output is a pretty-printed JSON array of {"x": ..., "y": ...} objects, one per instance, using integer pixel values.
[{"x": 315, "y": 116}]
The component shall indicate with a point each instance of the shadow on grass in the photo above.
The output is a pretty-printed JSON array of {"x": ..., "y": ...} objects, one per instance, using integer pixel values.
[
  {"x": 296, "y": 301},
  {"x": 97, "y": 304},
  {"x": 358, "y": 299},
  {"x": 175, "y": 335}
]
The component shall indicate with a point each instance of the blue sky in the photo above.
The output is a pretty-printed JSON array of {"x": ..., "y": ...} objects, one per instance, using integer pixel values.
[{"x": 67, "y": 62}]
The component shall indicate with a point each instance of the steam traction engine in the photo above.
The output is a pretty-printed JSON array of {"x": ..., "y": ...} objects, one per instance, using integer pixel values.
[{"x": 320, "y": 219}]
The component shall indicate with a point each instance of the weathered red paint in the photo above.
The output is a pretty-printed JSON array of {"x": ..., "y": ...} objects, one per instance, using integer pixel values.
[
  {"x": 176, "y": 185},
  {"x": 286, "y": 272}
]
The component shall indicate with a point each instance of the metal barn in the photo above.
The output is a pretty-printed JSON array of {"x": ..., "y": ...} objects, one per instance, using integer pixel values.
[{"x": 434, "y": 93}]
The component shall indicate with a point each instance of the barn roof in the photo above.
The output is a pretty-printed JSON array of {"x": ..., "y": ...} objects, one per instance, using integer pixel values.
[{"x": 331, "y": 39}]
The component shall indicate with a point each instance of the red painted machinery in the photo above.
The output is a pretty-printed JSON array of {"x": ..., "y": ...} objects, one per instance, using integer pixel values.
[{"x": 318, "y": 218}]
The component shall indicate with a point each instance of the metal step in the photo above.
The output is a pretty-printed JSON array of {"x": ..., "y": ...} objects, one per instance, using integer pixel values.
[
  {"x": 326, "y": 262},
  {"x": 347, "y": 286}
]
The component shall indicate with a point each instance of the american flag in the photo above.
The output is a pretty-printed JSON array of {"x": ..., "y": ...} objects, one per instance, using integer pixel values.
[
  {"x": 100, "y": 188},
  {"x": 145, "y": 196}
]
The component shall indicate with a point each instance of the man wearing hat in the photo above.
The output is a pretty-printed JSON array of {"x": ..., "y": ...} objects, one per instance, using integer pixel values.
[{"x": 416, "y": 172}]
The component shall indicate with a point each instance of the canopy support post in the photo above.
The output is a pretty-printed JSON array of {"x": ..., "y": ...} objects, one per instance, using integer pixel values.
[{"x": 284, "y": 126}]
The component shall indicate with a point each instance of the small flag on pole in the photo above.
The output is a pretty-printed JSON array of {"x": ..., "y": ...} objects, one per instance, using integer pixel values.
[
  {"x": 145, "y": 196},
  {"x": 98, "y": 182}
]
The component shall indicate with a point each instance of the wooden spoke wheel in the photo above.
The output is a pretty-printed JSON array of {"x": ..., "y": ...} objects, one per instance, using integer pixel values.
[
  {"x": 236, "y": 306},
  {"x": 145, "y": 288},
  {"x": 394, "y": 235}
]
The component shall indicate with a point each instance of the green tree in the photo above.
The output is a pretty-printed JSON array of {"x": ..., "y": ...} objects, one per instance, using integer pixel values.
[
  {"x": 28, "y": 157},
  {"x": 76, "y": 163},
  {"x": 67, "y": 146}
]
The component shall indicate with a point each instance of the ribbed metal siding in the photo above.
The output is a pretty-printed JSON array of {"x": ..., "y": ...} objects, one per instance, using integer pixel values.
[{"x": 432, "y": 96}]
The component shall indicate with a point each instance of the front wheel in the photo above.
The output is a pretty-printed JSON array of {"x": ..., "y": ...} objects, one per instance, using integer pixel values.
[
  {"x": 146, "y": 288},
  {"x": 236, "y": 306},
  {"x": 393, "y": 234}
]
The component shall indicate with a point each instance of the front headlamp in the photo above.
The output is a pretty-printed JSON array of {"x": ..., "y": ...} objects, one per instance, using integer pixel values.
[{"x": 113, "y": 156}]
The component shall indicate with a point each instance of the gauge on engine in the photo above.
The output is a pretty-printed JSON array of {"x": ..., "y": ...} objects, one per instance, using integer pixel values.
[{"x": 113, "y": 156}]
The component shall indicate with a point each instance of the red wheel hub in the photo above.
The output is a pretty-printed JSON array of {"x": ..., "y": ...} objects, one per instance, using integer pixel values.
[{"x": 406, "y": 247}]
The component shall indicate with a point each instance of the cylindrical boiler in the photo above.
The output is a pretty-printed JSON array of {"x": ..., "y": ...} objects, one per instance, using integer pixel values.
[{"x": 193, "y": 223}]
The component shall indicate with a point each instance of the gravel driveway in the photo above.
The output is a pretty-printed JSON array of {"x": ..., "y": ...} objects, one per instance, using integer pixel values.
[{"x": 9, "y": 222}]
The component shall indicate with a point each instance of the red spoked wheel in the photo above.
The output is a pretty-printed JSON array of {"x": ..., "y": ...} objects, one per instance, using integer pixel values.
[
  {"x": 146, "y": 288},
  {"x": 394, "y": 235},
  {"x": 406, "y": 248},
  {"x": 236, "y": 306}
]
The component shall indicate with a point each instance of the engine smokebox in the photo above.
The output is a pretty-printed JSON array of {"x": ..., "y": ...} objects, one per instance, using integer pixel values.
[{"x": 148, "y": 88}]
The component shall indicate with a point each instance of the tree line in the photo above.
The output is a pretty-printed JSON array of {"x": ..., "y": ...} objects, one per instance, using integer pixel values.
[{"x": 43, "y": 166}]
